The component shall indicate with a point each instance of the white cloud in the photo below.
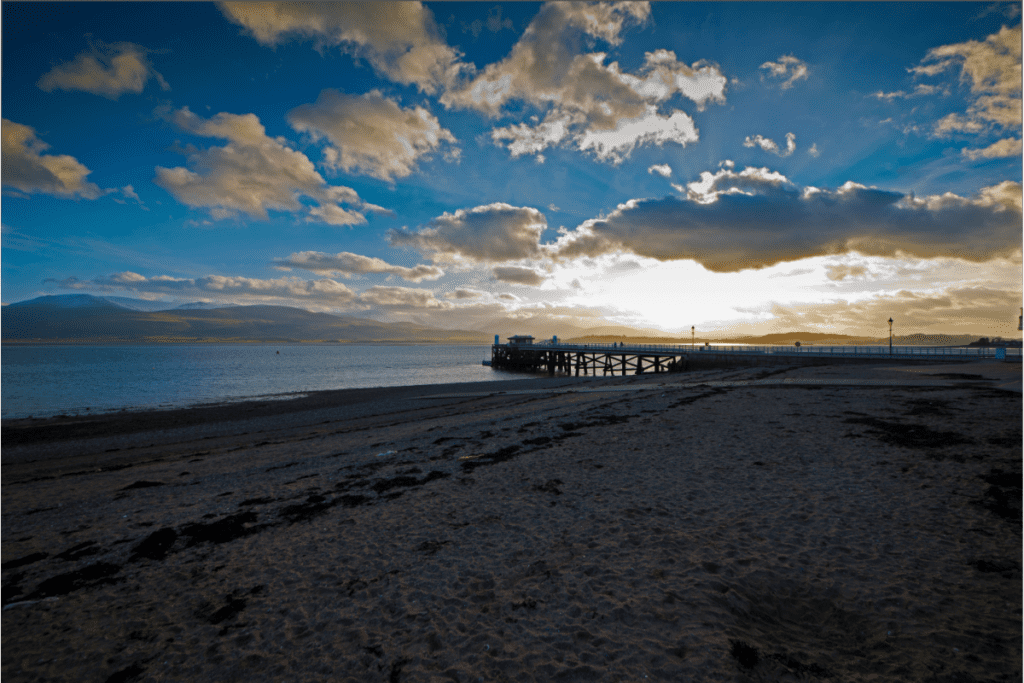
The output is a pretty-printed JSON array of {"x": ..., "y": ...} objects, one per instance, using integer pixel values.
[
  {"x": 1008, "y": 147},
  {"x": 649, "y": 129},
  {"x": 348, "y": 264},
  {"x": 515, "y": 275},
  {"x": 254, "y": 173},
  {"x": 664, "y": 170},
  {"x": 399, "y": 39},
  {"x": 107, "y": 70},
  {"x": 769, "y": 145},
  {"x": 662, "y": 76},
  {"x": 731, "y": 221},
  {"x": 533, "y": 140},
  {"x": 993, "y": 68},
  {"x": 788, "y": 70},
  {"x": 814, "y": 151},
  {"x": 921, "y": 90},
  {"x": 371, "y": 134},
  {"x": 492, "y": 233},
  {"x": 27, "y": 169},
  {"x": 587, "y": 103}
]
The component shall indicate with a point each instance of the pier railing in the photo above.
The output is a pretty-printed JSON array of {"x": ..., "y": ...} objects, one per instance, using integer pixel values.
[{"x": 915, "y": 352}]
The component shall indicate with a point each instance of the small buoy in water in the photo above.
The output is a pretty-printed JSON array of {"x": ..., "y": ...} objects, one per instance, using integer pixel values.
[{"x": 279, "y": 353}]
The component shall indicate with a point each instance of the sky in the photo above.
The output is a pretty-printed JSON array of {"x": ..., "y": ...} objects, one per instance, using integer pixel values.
[{"x": 742, "y": 168}]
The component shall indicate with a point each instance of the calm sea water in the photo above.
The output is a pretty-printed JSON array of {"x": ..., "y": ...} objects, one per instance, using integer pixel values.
[{"x": 54, "y": 380}]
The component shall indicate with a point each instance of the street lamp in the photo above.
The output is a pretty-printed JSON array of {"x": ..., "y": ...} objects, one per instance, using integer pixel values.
[
  {"x": 693, "y": 336},
  {"x": 890, "y": 336}
]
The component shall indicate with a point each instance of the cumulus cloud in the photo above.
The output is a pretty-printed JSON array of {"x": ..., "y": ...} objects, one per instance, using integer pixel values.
[
  {"x": 788, "y": 70},
  {"x": 813, "y": 151},
  {"x": 993, "y": 69},
  {"x": 664, "y": 170},
  {"x": 107, "y": 70},
  {"x": 514, "y": 275},
  {"x": 26, "y": 168},
  {"x": 219, "y": 286},
  {"x": 729, "y": 221},
  {"x": 398, "y": 39},
  {"x": 769, "y": 145},
  {"x": 370, "y": 134},
  {"x": 348, "y": 264},
  {"x": 254, "y": 173},
  {"x": 587, "y": 103},
  {"x": 1007, "y": 147},
  {"x": 492, "y": 233}
]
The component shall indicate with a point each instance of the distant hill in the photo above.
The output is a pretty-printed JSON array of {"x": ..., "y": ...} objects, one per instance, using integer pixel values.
[
  {"x": 200, "y": 305},
  {"x": 69, "y": 302},
  {"x": 790, "y": 338},
  {"x": 86, "y": 318},
  {"x": 92, "y": 301},
  {"x": 541, "y": 328}
]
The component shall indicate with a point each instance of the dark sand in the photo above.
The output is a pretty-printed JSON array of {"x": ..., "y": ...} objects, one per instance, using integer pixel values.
[{"x": 707, "y": 533}]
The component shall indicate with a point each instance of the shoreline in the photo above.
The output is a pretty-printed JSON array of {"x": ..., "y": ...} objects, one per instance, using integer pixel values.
[
  {"x": 708, "y": 531},
  {"x": 86, "y": 407}
]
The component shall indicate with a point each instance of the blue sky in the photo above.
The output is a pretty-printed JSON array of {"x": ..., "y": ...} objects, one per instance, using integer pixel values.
[{"x": 741, "y": 167}]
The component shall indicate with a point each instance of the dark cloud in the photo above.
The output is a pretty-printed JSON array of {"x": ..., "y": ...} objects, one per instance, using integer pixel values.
[
  {"x": 515, "y": 275},
  {"x": 755, "y": 218},
  {"x": 463, "y": 294}
]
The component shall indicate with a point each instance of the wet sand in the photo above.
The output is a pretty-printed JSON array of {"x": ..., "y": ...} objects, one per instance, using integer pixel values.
[{"x": 715, "y": 532}]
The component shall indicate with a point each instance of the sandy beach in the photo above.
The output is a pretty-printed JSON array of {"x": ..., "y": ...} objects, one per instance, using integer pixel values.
[{"x": 858, "y": 523}]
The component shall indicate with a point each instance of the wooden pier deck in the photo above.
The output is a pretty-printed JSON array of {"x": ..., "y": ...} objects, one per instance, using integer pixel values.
[{"x": 622, "y": 359}]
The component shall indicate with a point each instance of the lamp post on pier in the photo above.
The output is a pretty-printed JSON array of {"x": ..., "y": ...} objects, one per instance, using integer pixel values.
[
  {"x": 693, "y": 336},
  {"x": 890, "y": 336}
]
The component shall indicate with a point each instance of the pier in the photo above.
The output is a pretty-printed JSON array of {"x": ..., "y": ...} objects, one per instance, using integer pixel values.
[{"x": 550, "y": 355}]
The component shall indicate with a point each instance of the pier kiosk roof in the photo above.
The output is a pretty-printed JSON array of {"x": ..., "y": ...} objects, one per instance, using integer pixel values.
[{"x": 520, "y": 339}]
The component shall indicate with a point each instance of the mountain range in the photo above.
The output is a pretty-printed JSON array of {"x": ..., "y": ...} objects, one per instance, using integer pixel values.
[
  {"x": 79, "y": 318},
  {"x": 87, "y": 318}
]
